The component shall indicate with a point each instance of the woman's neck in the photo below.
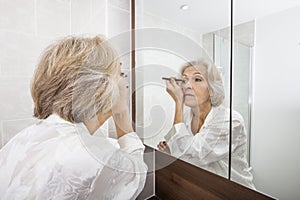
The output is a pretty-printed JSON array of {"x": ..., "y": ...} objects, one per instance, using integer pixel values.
[
  {"x": 199, "y": 115},
  {"x": 201, "y": 111},
  {"x": 97, "y": 121}
]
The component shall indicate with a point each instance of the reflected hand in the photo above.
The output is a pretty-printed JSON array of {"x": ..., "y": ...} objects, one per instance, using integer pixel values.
[
  {"x": 163, "y": 146},
  {"x": 175, "y": 90}
]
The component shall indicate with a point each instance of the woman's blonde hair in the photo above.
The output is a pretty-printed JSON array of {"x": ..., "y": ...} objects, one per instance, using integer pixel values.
[
  {"x": 213, "y": 77},
  {"x": 75, "y": 79}
]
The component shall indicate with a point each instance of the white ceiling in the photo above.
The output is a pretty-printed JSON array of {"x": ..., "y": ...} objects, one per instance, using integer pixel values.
[{"x": 205, "y": 16}]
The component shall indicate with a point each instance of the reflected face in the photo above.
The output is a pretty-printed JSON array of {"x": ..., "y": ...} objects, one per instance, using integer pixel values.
[{"x": 195, "y": 89}]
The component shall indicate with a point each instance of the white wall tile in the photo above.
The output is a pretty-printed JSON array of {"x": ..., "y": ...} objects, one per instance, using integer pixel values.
[
  {"x": 97, "y": 23},
  {"x": 123, "y": 4},
  {"x": 16, "y": 100},
  {"x": 20, "y": 53},
  {"x": 118, "y": 21},
  {"x": 9, "y": 128},
  {"x": 17, "y": 16},
  {"x": 16, "y": 106},
  {"x": 98, "y": 6},
  {"x": 80, "y": 15},
  {"x": 53, "y": 18},
  {"x": 88, "y": 17}
]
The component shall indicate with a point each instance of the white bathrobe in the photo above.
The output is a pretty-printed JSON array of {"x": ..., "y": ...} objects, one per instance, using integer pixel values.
[
  {"x": 209, "y": 148},
  {"x": 55, "y": 159}
]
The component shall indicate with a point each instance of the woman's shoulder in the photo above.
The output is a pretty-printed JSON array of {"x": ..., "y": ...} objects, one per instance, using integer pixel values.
[
  {"x": 222, "y": 112},
  {"x": 236, "y": 116},
  {"x": 226, "y": 110}
]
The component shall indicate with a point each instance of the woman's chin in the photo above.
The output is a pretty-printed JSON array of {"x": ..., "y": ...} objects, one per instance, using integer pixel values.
[{"x": 190, "y": 103}]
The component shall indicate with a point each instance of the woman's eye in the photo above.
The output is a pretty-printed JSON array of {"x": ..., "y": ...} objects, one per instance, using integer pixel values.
[{"x": 198, "y": 79}]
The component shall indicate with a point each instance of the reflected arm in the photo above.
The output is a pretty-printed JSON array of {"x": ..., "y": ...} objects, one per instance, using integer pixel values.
[{"x": 178, "y": 113}]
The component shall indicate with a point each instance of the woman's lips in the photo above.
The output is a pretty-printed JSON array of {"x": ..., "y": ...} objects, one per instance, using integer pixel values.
[{"x": 188, "y": 95}]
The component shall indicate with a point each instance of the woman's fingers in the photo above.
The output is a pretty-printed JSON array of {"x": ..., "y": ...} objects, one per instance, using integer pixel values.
[
  {"x": 160, "y": 148},
  {"x": 162, "y": 145},
  {"x": 123, "y": 87},
  {"x": 174, "y": 89},
  {"x": 172, "y": 85},
  {"x": 122, "y": 102},
  {"x": 173, "y": 82},
  {"x": 169, "y": 84}
]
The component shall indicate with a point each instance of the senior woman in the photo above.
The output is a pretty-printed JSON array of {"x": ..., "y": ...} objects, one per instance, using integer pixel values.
[
  {"x": 76, "y": 87},
  {"x": 200, "y": 134}
]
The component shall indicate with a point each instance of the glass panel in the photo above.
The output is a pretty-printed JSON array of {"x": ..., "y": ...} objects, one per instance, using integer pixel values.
[
  {"x": 240, "y": 138},
  {"x": 170, "y": 35},
  {"x": 274, "y": 94}
]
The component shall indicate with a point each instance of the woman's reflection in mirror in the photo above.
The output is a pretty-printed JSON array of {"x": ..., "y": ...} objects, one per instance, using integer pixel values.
[{"x": 200, "y": 132}]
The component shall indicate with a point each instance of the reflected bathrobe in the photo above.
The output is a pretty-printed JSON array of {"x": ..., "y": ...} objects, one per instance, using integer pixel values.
[
  {"x": 55, "y": 159},
  {"x": 209, "y": 147}
]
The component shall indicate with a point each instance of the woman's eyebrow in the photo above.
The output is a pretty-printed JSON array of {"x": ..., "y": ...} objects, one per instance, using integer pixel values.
[{"x": 197, "y": 73}]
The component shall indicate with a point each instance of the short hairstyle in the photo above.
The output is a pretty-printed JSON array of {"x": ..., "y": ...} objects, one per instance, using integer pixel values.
[
  {"x": 75, "y": 79},
  {"x": 214, "y": 79}
]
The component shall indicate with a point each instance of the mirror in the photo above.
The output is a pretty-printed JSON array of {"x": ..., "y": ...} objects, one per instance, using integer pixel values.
[
  {"x": 169, "y": 35},
  {"x": 265, "y": 48},
  {"x": 272, "y": 53}
]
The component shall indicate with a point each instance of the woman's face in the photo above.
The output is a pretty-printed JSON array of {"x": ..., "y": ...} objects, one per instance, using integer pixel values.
[{"x": 195, "y": 88}]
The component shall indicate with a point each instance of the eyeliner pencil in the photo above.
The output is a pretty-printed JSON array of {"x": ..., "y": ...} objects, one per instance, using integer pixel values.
[{"x": 176, "y": 79}]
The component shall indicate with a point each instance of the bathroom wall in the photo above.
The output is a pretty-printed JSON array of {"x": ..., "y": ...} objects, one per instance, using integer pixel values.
[
  {"x": 27, "y": 27},
  {"x": 276, "y": 105}
]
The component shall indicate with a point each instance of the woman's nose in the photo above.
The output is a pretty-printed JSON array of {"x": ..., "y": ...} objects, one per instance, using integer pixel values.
[{"x": 187, "y": 85}]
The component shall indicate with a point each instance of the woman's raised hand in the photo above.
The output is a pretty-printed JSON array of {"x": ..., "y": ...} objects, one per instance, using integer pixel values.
[
  {"x": 175, "y": 90},
  {"x": 122, "y": 103}
]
